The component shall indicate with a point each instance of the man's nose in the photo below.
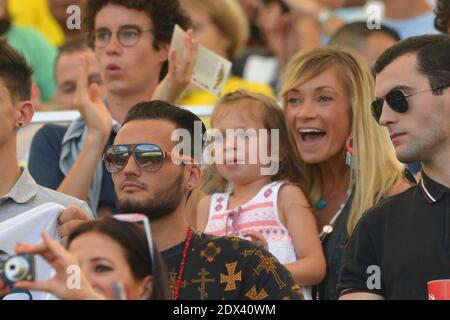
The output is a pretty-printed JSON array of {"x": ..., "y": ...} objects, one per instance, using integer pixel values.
[{"x": 388, "y": 115}]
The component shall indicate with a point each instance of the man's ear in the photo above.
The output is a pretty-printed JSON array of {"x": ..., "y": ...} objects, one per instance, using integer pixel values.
[
  {"x": 195, "y": 176},
  {"x": 26, "y": 112},
  {"x": 163, "y": 53}
]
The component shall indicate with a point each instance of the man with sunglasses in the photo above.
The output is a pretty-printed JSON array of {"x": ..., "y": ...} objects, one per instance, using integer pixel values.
[
  {"x": 403, "y": 243},
  {"x": 151, "y": 178},
  {"x": 131, "y": 41}
]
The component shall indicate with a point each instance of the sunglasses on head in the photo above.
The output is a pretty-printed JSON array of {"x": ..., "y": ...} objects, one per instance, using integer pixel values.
[
  {"x": 148, "y": 156},
  {"x": 140, "y": 218},
  {"x": 397, "y": 100},
  {"x": 121, "y": 291}
]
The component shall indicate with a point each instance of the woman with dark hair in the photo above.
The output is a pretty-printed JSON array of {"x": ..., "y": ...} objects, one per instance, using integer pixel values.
[
  {"x": 120, "y": 263},
  {"x": 442, "y": 20}
]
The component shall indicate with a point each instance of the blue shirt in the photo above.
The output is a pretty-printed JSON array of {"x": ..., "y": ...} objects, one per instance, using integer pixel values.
[
  {"x": 44, "y": 158},
  {"x": 420, "y": 25}
]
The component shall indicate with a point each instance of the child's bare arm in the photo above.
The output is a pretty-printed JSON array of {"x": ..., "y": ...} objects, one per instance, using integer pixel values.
[{"x": 298, "y": 218}]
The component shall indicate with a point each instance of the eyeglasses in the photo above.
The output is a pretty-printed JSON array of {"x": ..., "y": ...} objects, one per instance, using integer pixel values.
[
  {"x": 127, "y": 36},
  {"x": 147, "y": 156},
  {"x": 397, "y": 100},
  {"x": 135, "y": 218}
]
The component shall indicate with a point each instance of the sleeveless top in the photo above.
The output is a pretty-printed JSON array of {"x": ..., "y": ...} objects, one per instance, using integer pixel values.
[{"x": 258, "y": 214}]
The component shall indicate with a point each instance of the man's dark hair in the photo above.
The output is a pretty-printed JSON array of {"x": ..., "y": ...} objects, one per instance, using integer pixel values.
[
  {"x": 164, "y": 14},
  {"x": 442, "y": 19},
  {"x": 433, "y": 56},
  {"x": 133, "y": 241},
  {"x": 15, "y": 72},
  {"x": 355, "y": 34},
  {"x": 77, "y": 44},
  {"x": 74, "y": 45},
  {"x": 161, "y": 110}
]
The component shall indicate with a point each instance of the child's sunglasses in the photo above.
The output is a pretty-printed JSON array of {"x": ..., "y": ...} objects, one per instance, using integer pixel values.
[
  {"x": 148, "y": 156},
  {"x": 397, "y": 100}
]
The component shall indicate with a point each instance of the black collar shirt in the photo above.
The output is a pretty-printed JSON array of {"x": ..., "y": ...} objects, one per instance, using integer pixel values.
[{"x": 400, "y": 244}]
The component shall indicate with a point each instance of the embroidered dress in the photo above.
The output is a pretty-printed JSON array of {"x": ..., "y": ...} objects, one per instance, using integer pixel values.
[{"x": 260, "y": 214}]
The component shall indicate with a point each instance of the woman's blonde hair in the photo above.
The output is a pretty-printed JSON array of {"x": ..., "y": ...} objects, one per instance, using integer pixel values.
[
  {"x": 375, "y": 168},
  {"x": 272, "y": 117},
  {"x": 229, "y": 17}
]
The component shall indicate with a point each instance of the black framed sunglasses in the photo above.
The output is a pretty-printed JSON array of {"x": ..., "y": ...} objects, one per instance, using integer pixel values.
[
  {"x": 128, "y": 36},
  {"x": 397, "y": 100},
  {"x": 148, "y": 156}
]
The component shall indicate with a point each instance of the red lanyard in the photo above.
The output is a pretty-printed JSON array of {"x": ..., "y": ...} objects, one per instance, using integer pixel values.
[{"x": 183, "y": 261}]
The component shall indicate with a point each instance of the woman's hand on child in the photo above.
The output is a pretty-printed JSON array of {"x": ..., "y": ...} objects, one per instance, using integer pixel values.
[{"x": 257, "y": 238}]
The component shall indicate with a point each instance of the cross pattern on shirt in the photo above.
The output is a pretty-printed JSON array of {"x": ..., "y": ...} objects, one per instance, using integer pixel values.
[
  {"x": 203, "y": 280},
  {"x": 267, "y": 264},
  {"x": 232, "y": 276}
]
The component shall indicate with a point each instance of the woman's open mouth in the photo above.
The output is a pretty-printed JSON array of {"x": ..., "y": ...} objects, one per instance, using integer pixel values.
[{"x": 311, "y": 136}]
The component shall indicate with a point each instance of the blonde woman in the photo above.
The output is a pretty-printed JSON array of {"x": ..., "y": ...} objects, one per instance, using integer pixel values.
[{"x": 349, "y": 161}]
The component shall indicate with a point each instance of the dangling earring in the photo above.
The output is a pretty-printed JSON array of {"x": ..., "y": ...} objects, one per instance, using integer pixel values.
[{"x": 349, "y": 151}]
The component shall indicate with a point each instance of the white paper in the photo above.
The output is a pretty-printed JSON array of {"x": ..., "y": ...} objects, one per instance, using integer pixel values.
[
  {"x": 27, "y": 228},
  {"x": 211, "y": 71}
]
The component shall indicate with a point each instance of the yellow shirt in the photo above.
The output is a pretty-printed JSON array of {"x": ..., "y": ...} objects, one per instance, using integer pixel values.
[
  {"x": 202, "y": 98},
  {"x": 36, "y": 14}
]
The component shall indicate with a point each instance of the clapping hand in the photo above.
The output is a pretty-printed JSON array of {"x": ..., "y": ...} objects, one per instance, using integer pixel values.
[{"x": 181, "y": 67}]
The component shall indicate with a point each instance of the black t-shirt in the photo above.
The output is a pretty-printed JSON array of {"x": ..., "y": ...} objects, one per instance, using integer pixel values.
[
  {"x": 333, "y": 247},
  {"x": 405, "y": 239},
  {"x": 228, "y": 268},
  {"x": 43, "y": 163}
]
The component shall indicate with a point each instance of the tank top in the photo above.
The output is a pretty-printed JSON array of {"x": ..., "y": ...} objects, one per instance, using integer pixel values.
[{"x": 259, "y": 214}]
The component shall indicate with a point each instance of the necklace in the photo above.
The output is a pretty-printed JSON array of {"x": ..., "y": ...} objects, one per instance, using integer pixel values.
[
  {"x": 329, "y": 228},
  {"x": 183, "y": 261},
  {"x": 321, "y": 204}
]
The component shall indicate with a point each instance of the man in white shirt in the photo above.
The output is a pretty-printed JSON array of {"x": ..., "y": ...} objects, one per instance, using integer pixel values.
[{"x": 18, "y": 191}]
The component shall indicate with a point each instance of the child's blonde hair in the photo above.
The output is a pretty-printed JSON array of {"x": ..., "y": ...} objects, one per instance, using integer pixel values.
[{"x": 273, "y": 118}]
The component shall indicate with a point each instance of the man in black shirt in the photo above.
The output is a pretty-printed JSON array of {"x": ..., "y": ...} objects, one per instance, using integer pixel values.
[
  {"x": 404, "y": 242},
  {"x": 148, "y": 180}
]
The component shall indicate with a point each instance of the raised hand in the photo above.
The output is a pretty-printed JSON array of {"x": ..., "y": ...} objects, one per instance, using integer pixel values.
[
  {"x": 60, "y": 259},
  {"x": 180, "y": 71},
  {"x": 88, "y": 101}
]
